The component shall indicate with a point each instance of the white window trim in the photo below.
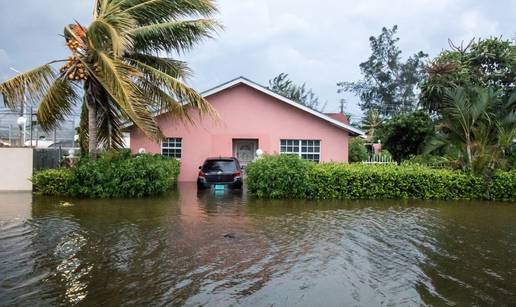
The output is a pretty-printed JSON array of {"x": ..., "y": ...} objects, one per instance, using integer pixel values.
[
  {"x": 180, "y": 148},
  {"x": 300, "y": 153}
]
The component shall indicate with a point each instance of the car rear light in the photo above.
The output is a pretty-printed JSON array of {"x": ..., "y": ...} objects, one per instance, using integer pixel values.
[
  {"x": 237, "y": 174},
  {"x": 201, "y": 174}
]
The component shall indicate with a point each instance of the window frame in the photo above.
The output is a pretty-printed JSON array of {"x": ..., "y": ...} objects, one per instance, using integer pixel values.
[
  {"x": 300, "y": 151},
  {"x": 175, "y": 141}
]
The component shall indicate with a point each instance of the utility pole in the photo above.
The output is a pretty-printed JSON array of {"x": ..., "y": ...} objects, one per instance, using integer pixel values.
[
  {"x": 342, "y": 103},
  {"x": 31, "y": 110},
  {"x": 21, "y": 120},
  {"x": 22, "y": 127}
]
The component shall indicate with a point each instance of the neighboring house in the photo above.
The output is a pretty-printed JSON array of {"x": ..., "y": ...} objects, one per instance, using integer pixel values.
[{"x": 251, "y": 117}]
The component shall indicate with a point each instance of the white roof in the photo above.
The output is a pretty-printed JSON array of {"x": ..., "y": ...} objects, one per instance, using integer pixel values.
[{"x": 256, "y": 86}]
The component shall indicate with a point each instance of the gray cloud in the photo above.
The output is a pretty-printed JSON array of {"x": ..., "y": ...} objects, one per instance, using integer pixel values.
[
  {"x": 320, "y": 42},
  {"x": 5, "y": 62}
]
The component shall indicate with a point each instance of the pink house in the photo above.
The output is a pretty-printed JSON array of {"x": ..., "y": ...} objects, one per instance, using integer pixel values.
[{"x": 251, "y": 117}]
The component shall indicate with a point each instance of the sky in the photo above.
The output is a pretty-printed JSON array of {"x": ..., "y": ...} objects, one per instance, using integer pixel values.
[{"x": 317, "y": 42}]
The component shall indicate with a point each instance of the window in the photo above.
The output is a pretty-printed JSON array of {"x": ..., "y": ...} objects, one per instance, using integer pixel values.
[
  {"x": 305, "y": 149},
  {"x": 171, "y": 147}
]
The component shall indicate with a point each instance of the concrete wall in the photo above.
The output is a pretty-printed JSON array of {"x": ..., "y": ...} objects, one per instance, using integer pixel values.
[{"x": 15, "y": 169}]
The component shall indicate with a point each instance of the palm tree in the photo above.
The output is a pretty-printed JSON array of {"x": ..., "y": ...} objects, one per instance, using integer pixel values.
[
  {"x": 117, "y": 71},
  {"x": 371, "y": 123},
  {"x": 479, "y": 124}
]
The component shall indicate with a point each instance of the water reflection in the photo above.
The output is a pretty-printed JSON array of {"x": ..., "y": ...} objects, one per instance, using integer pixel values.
[
  {"x": 15, "y": 206},
  {"x": 200, "y": 248}
]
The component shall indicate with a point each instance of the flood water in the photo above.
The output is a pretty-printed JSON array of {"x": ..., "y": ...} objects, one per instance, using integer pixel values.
[{"x": 196, "y": 249}]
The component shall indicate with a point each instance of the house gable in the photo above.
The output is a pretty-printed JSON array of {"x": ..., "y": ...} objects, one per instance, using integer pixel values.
[{"x": 241, "y": 80}]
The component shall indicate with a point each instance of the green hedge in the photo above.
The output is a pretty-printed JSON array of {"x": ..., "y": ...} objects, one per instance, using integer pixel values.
[
  {"x": 289, "y": 177},
  {"x": 503, "y": 186},
  {"x": 282, "y": 176},
  {"x": 52, "y": 181},
  {"x": 113, "y": 175}
]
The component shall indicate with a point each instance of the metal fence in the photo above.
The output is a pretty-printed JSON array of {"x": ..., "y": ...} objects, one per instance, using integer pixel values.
[
  {"x": 47, "y": 158},
  {"x": 31, "y": 134}
]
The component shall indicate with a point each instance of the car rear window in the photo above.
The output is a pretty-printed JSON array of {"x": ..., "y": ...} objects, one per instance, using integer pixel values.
[{"x": 226, "y": 166}]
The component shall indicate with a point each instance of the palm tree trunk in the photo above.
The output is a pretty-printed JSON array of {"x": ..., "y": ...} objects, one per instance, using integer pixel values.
[
  {"x": 92, "y": 120},
  {"x": 92, "y": 129},
  {"x": 470, "y": 158}
]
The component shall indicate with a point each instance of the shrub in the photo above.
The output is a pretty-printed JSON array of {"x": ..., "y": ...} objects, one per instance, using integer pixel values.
[
  {"x": 52, "y": 181},
  {"x": 122, "y": 175},
  {"x": 271, "y": 177},
  {"x": 503, "y": 186},
  {"x": 431, "y": 161},
  {"x": 357, "y": 150},
  {"x": 283, "y": 176},
  {"x": 114, "y": 175}
]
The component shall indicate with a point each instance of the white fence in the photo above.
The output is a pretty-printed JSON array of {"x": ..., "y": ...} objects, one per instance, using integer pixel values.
[{"x": 378, "y": 159}]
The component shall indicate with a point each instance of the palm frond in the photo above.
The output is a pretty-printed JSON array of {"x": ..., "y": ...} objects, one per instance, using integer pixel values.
[
  {"x": 116, "y": 79},
  {"x": 31, "y": 85},
  {"x": 104, "y": 36},
  {"x": 437, "y": 142},
  {"x": 164, "y": 103},
  {"x": 176, "y": 36},
  {"x": 483, "y": 100},
  {"x": 155, "y": 11},
  {"x": 174, "y": 68},
  {"x": 512, "y": 100},
  {"x": 456, "y": 109},
  {"x": 109, "y": 127},
  {"x": 57, "y": 104},
  {"x": 183, "y": 93},
  {"x": 97, "y": 7},
  {"x": 101, "y": 6}
]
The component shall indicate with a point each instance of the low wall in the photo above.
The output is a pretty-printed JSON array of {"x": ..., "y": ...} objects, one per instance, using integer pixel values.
[{"x": 16, "y": 166}]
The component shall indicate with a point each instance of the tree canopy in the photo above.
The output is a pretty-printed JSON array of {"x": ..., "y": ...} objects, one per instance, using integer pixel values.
[
  {"x": 389, "y": 84},
  {"x": 406, "y": 134},
  {"x": 486, "y": 63},
  {"x": 285, "y": 87}
]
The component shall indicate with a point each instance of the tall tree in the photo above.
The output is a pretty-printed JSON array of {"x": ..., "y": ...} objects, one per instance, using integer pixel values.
[
  {"x": 389, "y": 85},
  {"x": 406, "y": 134},
  {"x": 484, "y": 63},
  {"x": 117, "y": 63},
  {"x": 285, "y": 87}
]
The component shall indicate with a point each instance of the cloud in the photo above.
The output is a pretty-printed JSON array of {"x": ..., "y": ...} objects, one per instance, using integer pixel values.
[
  {"x": 317, "y": 42},
  {"x": 5, "y": 62},
  {"x": 323, "y": 42},
  {"x": 476, "y": 24}
]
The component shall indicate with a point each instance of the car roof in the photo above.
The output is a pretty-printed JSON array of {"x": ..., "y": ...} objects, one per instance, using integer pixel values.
[{"x": 221, "y": 158}]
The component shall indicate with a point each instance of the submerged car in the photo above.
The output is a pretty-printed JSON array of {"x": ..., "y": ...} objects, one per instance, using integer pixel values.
[{"x": 220, "y": 173}]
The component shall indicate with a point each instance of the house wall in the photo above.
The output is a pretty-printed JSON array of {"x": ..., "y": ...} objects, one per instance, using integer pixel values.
[
  {"x": 245, "y": 113},
  {"x": 16, "y": 169}
]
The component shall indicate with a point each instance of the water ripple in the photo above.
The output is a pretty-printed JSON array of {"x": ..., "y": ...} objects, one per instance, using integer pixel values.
[{"x": 202, "y": 249}]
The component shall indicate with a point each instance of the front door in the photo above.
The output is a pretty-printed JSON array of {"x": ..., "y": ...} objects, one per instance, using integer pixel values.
[{"x": 245, "y": 150}]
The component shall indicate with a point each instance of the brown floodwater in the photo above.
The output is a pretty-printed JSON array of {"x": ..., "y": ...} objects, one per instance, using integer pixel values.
[{"x": 189, "y": 248}]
